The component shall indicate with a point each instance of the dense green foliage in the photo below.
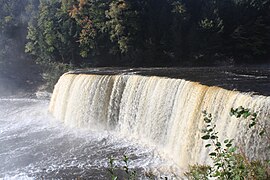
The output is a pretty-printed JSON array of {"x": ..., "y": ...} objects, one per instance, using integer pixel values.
[
  {"x": 137, "y": 32},
  {"x": 52, "y": 34}
]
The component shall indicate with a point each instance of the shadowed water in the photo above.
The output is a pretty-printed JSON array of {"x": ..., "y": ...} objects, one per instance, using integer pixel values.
[{"x": 254, "y": 79}]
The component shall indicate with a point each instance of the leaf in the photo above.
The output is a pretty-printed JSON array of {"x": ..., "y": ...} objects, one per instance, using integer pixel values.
[
  {"x": 125, "y": 158},
  {"x": 228, "y": 145},
  {"x": 207, "y": 120},
  {"x": 213, "y": 154},
  {"x": 252, "y": 124},
  {"x": 206, "y": 137},
  {"x": 218, "y": 144},
  {"x": 246, "y": 114},
  {"x": 217, "y": 173},
  {"x": 254, "y": 115},
  {"x": 232, "y": 149},
  {"x": 226, "y": 141},
  {"x": 207, "y": 145}
]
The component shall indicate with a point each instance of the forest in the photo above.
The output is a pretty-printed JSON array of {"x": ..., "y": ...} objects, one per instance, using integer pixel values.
[{"x": 87, "y": 33}]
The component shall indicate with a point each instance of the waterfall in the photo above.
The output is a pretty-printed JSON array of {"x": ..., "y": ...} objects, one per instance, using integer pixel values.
[{"x": 158, "y": 111}]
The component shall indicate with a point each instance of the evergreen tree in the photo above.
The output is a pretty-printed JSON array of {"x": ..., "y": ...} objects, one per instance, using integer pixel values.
[{"x": 53, "y": 34}]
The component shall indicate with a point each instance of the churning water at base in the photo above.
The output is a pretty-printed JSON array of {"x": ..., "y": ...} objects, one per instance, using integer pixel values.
[{"x": 35, "y": 146}]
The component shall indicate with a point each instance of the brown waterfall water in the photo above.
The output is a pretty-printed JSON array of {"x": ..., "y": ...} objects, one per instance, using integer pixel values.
[{"x": 159, "y": 112}]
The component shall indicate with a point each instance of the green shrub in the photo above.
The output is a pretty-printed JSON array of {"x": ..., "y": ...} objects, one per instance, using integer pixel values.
[
  {"x": 227, "y": 164},
  {"x": 130, "y": 174},
  {"x": 198, "y": 172}
]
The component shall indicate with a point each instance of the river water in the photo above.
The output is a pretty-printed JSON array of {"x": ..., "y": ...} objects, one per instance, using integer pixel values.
[
  {"x": 255, "y": 79},
  {"x": 35, "y": 146}
]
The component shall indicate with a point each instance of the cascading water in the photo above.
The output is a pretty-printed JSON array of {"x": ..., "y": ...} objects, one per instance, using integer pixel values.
[{"x": 161, "y": 112}]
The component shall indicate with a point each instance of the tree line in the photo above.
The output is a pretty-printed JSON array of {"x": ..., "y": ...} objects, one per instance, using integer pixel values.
[{"x": 136, "y": 32}]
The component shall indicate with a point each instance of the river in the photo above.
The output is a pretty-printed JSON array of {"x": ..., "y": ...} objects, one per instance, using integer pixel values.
[{"x": 155, "y": 121}]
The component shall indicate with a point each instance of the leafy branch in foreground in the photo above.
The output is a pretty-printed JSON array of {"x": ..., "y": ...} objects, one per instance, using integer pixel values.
[
  {"x": 252, "y": 118},
  {"x": 131, "y": 174},
  {"x": 111, "y": 168},
  {"x": 125, "y": 172},
  {"x": 227, "y": 164}
]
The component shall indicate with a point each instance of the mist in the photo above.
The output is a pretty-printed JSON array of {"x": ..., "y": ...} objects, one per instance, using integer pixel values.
[{"x": 18, "y": 71}]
